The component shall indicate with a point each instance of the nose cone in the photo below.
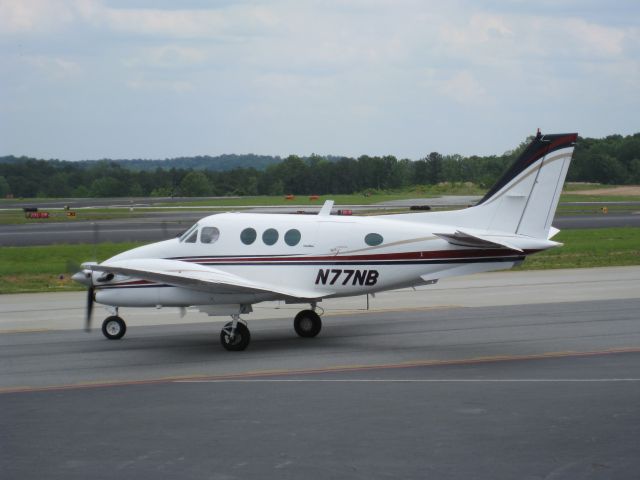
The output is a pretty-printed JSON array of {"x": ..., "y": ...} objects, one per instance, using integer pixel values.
[
  {"x": 83, "y": 277},
  {"x": 162, "y": 249}
]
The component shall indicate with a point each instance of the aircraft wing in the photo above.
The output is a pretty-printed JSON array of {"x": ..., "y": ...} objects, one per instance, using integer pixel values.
[{"x": 198, "y": 277}]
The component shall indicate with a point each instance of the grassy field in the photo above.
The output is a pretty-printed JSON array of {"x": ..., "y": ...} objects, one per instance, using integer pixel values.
[
  {"x": 48, "y": 269},
  {"x": 597, "y": 247}
]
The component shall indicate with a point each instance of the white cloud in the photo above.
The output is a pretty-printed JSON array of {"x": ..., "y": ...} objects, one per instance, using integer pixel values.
[
  {"x": 597, "y": 39},
  {"x": 150, "y": 85},
  {"x": 35, "y": 16},
  {"x": 371, "y": 72},
  {"x": 55, "y": 67},
  {"x": 465, "y": 89},
  {"x": 228, "y": 23},
  {"x": 168, "y": 56}
]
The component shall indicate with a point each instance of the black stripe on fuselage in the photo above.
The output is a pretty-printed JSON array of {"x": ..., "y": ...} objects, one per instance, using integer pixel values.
[{"x": 376, "y": 262}]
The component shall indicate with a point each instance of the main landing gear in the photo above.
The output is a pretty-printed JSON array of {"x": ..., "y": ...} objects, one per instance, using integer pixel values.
[
  {"x": 235, "y": 335},
  {"x": 307, "y": 324}
]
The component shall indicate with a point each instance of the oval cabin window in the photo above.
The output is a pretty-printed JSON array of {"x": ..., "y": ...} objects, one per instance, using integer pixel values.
[
  {"x": 373, "y": 239},
  {"x": 248, "y": 236},
  {"x": 270, "y": 236},
  {"x": 292, "y": 237}
]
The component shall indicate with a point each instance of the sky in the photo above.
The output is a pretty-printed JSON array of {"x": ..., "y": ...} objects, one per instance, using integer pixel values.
[{"x": 91, "y": 79}]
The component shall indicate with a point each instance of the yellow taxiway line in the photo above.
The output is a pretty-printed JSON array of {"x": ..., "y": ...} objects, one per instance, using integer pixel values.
[{"x": 262, "y": 375}]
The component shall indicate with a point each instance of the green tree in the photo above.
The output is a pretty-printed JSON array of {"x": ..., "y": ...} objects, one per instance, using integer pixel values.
[
  {"x": 634, "y": 171},
  {"x": 161, "y": 192},
  {"x": 57, "y": 186},
  {"x": 81, "y": 191},
  {"x": 434, "y": 168},
  {"x": 4, "y": 187},
  {"x": 195, "y": 184},
  {"x": 106, "y": 187}
]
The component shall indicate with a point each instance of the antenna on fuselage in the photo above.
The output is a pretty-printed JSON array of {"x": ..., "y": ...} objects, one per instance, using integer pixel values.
[{"x": 326, "y": 208}]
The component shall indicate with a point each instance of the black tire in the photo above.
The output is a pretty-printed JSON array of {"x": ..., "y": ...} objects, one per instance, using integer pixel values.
[
  {"x": 240, "y": 340},
  {"x": 307, "y": 324},
  {"x": 114, "y": 328}
]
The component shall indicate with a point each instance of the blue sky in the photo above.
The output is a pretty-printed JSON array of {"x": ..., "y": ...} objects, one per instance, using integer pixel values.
[{"x": 89, "y": 79}]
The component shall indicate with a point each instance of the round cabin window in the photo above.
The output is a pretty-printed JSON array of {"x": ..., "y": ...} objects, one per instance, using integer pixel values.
[
  {"x": 292, "y": 237},
  {"x": 373, "y": 239},
  {"x": 270, "y": 236},
  {"x": 248, "y": 236}
]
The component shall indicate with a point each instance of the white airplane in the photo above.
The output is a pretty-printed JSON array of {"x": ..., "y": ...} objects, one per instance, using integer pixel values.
[{"x": 225, "y": 263}]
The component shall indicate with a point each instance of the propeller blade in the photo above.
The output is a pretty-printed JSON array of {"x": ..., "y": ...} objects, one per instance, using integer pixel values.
[{"x": 89, "y": 312}]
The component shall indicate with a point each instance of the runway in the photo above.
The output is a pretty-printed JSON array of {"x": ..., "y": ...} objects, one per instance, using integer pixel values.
[
  {"x": 156, "y": 227},
  {"x": 503, "y": 375}
]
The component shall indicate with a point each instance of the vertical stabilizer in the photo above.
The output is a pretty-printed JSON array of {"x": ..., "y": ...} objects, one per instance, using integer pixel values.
[{"x": 524, "y": 200}]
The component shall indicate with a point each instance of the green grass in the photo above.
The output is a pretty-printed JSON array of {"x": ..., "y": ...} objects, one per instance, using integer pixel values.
[
  {"x": 596, "y": 247},
  {"x": 37, "y": 269},
  {"x": 573, "y": 197}
]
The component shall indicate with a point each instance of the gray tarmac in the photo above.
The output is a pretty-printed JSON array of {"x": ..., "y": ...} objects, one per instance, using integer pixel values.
[
  {"x": 160, "y": 226},
  {"x": 526, "y": 375}
]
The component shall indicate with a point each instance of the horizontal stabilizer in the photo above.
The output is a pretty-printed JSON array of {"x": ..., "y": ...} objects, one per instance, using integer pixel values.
[
  {"x": 553, "y": 231},
  {"x": 466, "y": 239}
]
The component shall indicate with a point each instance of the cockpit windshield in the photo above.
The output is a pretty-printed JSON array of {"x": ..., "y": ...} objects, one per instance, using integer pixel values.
[{"x": 190, "y": 235}]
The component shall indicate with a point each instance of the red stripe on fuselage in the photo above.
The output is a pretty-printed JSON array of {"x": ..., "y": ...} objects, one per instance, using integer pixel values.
[{"x": 424, "y": 255}]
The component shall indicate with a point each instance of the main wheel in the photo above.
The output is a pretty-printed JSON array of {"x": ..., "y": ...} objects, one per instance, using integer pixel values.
[
  {"x": 114, "y": 328},
  {"x": 240, "y": 339},
  {"x": 307, "y": 323}
]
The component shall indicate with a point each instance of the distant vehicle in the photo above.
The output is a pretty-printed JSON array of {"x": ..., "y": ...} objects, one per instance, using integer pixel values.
[{"x": 226, "y": 263}]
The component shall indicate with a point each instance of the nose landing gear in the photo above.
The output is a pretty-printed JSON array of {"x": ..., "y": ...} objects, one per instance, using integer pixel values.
[
  {"x": 235, "y": 335},
  {"x": 114, "y": 327}
]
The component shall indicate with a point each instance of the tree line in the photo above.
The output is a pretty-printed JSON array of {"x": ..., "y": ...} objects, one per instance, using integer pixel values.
[{"x": 611, "y": 160}]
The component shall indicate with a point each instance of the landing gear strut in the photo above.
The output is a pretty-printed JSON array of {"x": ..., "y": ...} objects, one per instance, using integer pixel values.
[{"x": 114, "y": 327}]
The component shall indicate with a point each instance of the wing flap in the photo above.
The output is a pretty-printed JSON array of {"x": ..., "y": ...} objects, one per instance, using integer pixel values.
[{"x": 198, "y": 277}]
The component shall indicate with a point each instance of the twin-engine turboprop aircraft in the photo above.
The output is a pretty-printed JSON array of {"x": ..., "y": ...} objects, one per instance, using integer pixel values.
[{"x": 225, "y": 263}]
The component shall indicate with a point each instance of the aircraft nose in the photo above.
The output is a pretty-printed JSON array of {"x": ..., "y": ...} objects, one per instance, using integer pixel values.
[{"x": 83, "y": 277}]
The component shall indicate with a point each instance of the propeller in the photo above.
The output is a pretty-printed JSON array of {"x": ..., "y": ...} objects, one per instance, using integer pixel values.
[
  {"x": 89, "y": 311},
  {"x": 85, "y": 277}
]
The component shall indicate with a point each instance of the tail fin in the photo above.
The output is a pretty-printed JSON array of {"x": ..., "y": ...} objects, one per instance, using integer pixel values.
[{"x": 525, "y": 198}]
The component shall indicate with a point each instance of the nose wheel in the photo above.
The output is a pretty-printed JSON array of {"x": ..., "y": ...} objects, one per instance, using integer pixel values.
[
  {"x": 235, "y": 335},
  {"x": 114, "y": 328}
]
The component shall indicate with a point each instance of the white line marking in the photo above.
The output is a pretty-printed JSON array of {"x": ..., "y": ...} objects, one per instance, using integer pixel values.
[{"x": 415, "y": 380}]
